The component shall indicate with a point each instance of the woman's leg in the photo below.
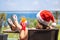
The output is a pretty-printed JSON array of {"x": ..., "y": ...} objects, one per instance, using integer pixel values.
[
  {"x": 24, "y": 34},
  {"x": 15, "y": 21},
  {"x": 12, "y": 26}
]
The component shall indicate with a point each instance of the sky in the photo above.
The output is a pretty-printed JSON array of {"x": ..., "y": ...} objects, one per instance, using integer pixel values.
[{"x": 22, "y": 5}]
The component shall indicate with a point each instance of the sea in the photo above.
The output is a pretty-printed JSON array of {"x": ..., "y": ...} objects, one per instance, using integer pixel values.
[{"x": 21, "y": 14}]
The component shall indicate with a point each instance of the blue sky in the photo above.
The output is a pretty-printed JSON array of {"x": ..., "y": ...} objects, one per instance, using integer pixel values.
[{"x": 18, "y": 5}]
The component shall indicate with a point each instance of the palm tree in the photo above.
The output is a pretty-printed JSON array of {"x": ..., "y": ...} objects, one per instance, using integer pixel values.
[{"x": 2, "y": 19}]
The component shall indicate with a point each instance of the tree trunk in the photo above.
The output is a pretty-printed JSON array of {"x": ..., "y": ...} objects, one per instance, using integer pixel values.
[{"x": 57, "y": 16}]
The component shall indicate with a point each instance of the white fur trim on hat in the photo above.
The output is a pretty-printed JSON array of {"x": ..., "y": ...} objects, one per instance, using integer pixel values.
[
  {"x": 54, "y": 24},
  {"x": 40, "y": 19}
]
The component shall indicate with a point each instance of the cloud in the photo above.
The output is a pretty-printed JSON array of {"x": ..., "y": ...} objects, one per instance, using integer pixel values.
[
  {"x": 56, "y": 3},
  {"x": 11, "y": 4},
  {"x": 18, "y": 5},
  {"x": 47, "y": 0},
  {"x": 36, "y": 2}
]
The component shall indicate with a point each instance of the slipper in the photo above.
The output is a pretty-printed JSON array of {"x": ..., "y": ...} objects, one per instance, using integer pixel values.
[
  {"x": 10, "y": 23},
  {"x": 15, "y": 21},
  {"x": 14, "y": 18}
]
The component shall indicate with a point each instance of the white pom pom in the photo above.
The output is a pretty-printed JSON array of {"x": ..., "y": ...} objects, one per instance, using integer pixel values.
[{"x": 54, "y": 24}]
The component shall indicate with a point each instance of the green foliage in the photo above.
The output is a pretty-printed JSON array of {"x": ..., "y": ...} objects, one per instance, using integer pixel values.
[
  {"x": 3, "y": 16},
  {"x": 2, "y": 19},
  {"x": 32, "y": 22},
  {"x": 35, "y": 22},
  {"x": 58, "y": 26}
]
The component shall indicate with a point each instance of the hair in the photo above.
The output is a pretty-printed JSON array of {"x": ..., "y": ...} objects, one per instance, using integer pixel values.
[{"x": 43, "y": 26}]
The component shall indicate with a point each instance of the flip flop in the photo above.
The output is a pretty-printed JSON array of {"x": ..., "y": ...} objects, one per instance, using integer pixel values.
[
  {"x": 10, "y": 23},
  {"x": 14, "y": 18},
  {"x": 15, "y": 21}
]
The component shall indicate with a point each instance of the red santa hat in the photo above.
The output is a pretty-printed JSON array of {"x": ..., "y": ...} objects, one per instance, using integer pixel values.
[{"x": 45, "y": 16}]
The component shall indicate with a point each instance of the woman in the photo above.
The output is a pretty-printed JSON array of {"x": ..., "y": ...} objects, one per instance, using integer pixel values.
[
  {"x": 14, "y": 25},
  {"x": 43, "y": 19}
]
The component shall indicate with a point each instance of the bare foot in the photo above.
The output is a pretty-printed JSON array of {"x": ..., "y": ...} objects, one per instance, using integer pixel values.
[
  {"x": 12, "y": 26},
  {"x": 15, "y": 21}
]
